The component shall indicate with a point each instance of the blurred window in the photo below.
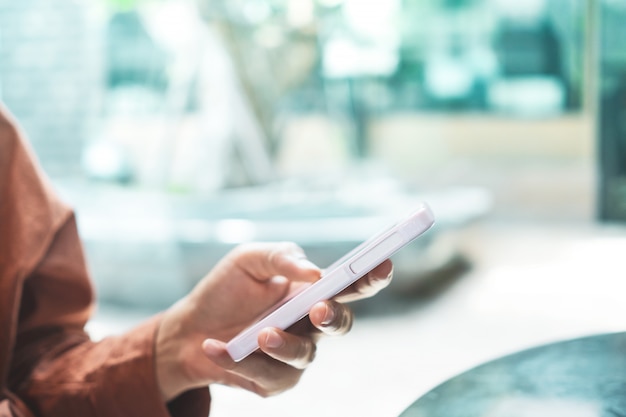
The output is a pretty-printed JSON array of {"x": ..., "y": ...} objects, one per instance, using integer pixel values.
[
  {"x": 167, "y": 92},
  {"x": 612, "y": 105}
]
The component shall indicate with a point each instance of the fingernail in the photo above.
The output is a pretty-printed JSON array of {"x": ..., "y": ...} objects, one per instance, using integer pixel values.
[
  {"x": 273, "y": 340},
  {"x": 210, "y": 345}
]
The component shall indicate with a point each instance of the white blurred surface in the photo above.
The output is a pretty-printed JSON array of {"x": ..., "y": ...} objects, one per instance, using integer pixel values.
[{"x": 530, "y": 284}]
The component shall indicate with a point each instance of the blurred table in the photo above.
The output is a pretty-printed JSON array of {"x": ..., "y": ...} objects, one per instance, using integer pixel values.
[{"x": 583, "y": 377}]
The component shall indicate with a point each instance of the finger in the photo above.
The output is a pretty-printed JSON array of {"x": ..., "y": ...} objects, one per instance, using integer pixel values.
[
  {"x": 265, "y": 375},
  {"x": 376, "y": 280},
  {"x": 266, "y": 260},
  {"x": 296, "y": 351},
  {"x": 331, "y": 317}
]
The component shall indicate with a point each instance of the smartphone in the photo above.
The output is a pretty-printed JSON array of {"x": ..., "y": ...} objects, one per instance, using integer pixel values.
[{"x": 334, "y": 279}]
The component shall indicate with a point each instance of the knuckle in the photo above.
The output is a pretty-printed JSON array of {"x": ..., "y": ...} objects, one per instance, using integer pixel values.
[
  {"x": 303, "y": 355},
  {"x": 242, "y": 249},
  {"x": 290, "y": 248},
  {"x": 277, "y": 253},
  {"x": 263, "y": 393},
  {"x": 343, "y": 323},
  {"x": 313, "y": 353},
  {"x": 348, "y": 320}
]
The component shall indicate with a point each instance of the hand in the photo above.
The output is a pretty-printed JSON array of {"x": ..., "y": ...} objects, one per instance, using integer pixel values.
[{"x": 190, "y": 348}]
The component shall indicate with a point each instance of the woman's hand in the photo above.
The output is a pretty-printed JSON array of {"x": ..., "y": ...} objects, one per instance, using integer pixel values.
[{"x": 191, "y": 349}]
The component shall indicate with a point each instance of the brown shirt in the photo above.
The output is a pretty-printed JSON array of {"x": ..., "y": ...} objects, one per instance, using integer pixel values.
[{"x": 48, "y": 364}]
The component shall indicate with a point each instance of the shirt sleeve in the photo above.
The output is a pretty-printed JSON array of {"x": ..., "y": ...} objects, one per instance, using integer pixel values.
[
  {"x": 48, "y": 364},
  {"x": 74, "y": 376}
]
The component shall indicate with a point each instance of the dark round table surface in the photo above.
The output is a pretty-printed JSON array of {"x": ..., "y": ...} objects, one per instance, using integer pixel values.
[{"x": 583, "y": 377}]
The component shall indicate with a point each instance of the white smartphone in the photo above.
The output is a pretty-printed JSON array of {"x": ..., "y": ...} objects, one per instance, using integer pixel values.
[{"x": 334, "y": 279}]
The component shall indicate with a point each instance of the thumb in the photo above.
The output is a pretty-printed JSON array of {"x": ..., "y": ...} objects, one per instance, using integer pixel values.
[{"x": 263, "y": 261}]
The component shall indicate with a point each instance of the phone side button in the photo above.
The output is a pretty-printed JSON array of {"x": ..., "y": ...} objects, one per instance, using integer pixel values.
[{"x": 377, "y": 254}]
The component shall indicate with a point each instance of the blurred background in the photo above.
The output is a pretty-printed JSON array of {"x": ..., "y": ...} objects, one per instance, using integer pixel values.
[{"x": 181, "y": 128}]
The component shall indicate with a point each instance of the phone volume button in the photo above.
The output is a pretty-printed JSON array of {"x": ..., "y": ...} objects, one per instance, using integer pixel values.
[{"x": 370, "y": 259}]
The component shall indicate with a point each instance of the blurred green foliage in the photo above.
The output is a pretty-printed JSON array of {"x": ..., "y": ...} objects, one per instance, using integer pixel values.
[{"x": 123, "y": 5}]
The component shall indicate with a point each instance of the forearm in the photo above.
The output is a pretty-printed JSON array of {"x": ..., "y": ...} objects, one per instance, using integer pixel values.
[{"x": 114, "y": 377}]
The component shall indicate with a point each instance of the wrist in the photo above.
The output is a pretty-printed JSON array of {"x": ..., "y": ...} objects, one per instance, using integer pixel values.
[{"x": 172, "y": 356}]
